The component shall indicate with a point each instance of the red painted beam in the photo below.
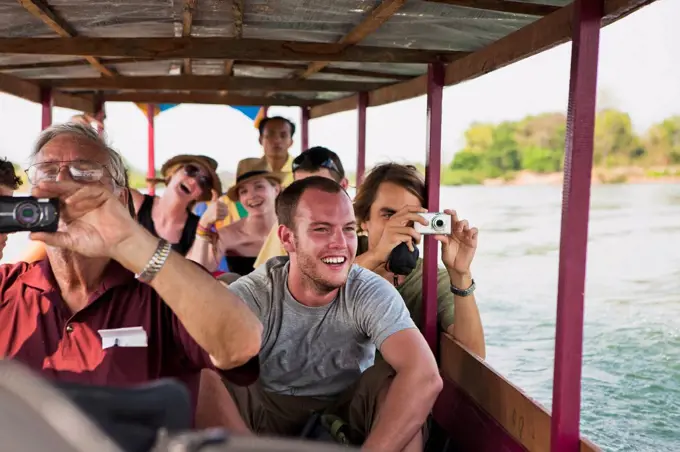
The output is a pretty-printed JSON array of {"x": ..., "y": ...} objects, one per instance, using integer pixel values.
[
  {"x": 304, "y": 133},
  {"x": 578, "y": 167},
  {"x": 435, "y": 90},
  {"x": 361, "y": 137},
  {"x": 46, "y": 107},
  {"x": 151, "y": 150}
]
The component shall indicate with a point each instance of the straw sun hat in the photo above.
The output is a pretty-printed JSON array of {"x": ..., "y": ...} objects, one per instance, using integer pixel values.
[
  {"x": 248, "y": 169},
  {"x": 206, "y": 163}
]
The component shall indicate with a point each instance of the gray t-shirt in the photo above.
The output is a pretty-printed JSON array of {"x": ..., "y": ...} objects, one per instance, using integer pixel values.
[{"x": 320, "y": 351}]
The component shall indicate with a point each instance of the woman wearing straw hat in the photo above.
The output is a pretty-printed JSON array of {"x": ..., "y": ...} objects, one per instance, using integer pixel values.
[
  {"x": 256, "y": 189},
  {"x": 188, "y": 179}
]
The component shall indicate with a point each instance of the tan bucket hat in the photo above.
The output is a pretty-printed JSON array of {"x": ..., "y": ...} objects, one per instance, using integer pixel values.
[
  {"x": 249, "y": 168},
  {"x": 207, "y": 163}
]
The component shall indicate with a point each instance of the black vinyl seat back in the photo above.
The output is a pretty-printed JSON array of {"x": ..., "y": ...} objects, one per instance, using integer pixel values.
[{"x": 133, "y": 416}]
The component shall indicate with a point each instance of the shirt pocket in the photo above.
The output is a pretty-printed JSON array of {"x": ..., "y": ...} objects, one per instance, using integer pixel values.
[{"x": 126, "y": 365}]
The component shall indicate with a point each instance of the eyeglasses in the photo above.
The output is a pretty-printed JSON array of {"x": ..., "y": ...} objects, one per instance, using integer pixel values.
[
  {"x": 195, "y": 172},
  {"x": 79, "y": 170},
  {"x": 315, "y": 160}
]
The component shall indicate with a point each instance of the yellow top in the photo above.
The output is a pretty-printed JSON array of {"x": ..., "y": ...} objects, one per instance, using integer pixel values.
[
  {"x": 286, "y": 170},
  {"x": 271, "y": 248}
]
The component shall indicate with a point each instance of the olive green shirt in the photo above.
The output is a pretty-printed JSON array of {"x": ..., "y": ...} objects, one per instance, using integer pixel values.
[{"x": 412, "y": 293}]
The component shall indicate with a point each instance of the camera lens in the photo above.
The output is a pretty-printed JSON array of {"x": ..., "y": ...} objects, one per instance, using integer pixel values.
[
  {"x": 27, "y": 214},
  {"x": 439, "y": 223}
]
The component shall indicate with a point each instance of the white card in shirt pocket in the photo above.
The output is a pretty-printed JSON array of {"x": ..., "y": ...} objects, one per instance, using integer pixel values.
[{"x": 123, "y": 337}]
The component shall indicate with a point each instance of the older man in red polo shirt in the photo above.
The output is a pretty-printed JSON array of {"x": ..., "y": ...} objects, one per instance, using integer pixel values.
[{"x": 112, "y": 304}]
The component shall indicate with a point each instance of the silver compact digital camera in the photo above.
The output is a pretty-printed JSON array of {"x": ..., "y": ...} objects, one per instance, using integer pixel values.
[{"x": 438, "y": 223}]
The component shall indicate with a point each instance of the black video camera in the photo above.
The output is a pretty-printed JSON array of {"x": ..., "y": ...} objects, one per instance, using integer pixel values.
[{"x": 27, "y": 213}]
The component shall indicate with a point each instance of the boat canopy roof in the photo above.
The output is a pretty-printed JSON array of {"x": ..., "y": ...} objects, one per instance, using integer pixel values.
[{"x": 316, "y": 54}]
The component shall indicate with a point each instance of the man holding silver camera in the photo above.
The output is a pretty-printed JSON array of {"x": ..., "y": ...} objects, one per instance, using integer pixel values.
[{"x": 389, "y": 207}]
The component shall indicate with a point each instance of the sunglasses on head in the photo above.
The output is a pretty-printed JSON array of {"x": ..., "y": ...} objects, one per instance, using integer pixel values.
[
  {"x": 195, "y": 172},
  {"x": 315, "y": 160}
]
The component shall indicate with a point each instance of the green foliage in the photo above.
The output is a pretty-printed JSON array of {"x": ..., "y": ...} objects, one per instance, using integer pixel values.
[{"x": 536, "y": 144}]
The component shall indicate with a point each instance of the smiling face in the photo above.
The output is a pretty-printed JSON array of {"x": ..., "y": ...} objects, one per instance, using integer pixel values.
[
  {"x": 324, "y": 242},
  {"x": 190, "y": 182},
  {"x": 258, "y": 195}
]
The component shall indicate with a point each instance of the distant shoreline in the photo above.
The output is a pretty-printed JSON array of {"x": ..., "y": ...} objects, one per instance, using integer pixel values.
[{"x": 620, "y": 175}]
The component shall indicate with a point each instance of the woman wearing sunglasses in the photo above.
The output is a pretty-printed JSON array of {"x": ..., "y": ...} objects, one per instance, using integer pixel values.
[{"x": 188, "y": 179}]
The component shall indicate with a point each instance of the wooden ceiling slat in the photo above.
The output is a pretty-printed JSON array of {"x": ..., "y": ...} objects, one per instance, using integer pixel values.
[
  {"x": 221, "y": 48},
  {"x": 262, "y": 64},
  {"x": 43, "y": 12},
  {"x": 207, "y": 98},
  {"x": 237, "y": 12},
  {"x": 187, "y": 20},
  {"x": 30, "y": 91},
  {"x": 207, "y": 83}
]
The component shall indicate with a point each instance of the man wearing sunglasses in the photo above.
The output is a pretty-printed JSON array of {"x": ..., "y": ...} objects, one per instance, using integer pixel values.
[{"x": 316, "y": 161}]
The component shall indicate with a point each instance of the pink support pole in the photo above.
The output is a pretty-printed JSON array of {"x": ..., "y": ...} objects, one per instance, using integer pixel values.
[
  {"x": 435, "y": 89},
  {"x": 265, "y": 111},
  {"x": 46, "y": 104},
  {"x": 578, "y": 166},
  {"x": 304, "y": 133},
  {"x": 100, "y": 116},
  {"x": 361, "y": 137},
  {"x": 151, "y": 165}
]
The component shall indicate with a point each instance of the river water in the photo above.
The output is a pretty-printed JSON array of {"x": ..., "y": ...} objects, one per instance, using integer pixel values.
[{"x": 631, "y": 374}]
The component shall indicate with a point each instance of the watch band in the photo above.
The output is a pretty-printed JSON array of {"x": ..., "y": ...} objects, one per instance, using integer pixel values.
[
  {"x": 156, "y": 262},
  {"x": 463, "y": 293}
]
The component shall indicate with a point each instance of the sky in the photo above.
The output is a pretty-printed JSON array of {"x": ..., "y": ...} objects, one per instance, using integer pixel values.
[{"x": 639, "y": 72}]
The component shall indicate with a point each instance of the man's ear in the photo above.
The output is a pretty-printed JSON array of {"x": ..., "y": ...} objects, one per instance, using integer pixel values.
[
  {"x": 287, "y": 238},
  {"x": 344, "y": 183}
]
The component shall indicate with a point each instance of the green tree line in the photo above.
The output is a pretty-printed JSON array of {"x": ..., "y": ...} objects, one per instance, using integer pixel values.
[{"x": 536, "y": 144}]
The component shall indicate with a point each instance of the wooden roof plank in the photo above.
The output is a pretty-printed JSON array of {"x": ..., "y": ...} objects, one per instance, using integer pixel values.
[
  {"x": 503, "y": 6},
  {"x": 43, "y": 12},
  {"x": 188, "y": 8},
  {"x": 378, "y": 16},
  {"x": 19, "y": 87},
  {"x": 325, "y": 70},
  {"x": 263, "y": 64},
  {"x": 207, "y": 98},
  {"x": 30, "y": 91},
  {"x": 81, "y": 102},
  {"x": 69, "y": 63},
  {"x": 237, "y": 12},
  {"x": 206, "y": 83},
  {"x": 221, "y": 48},
  {"x": 540, "y": 35}
]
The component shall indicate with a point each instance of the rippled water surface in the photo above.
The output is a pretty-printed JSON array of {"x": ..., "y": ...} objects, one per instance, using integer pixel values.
[{"x": 631, "y": 374}]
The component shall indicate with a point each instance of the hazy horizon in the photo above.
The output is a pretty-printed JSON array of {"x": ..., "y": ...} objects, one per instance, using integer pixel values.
[{"x": 638, "y": 73}]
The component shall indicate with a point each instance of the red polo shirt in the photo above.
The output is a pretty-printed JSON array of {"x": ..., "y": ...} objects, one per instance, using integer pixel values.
[{"x": 38, "y": 329}]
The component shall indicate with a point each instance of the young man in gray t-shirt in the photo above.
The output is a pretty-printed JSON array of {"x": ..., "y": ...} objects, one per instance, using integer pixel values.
[{"x": 323, "y": 320}]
